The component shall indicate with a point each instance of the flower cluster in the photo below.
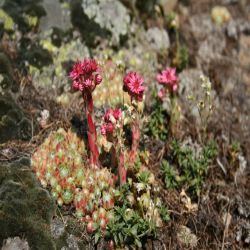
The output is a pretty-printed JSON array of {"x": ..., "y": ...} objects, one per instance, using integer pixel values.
[
  {"x": 111, "y": 117},
  {"x": 85, "y": 75},
  {"x": 168, "y": 78},
  {"x": 133, "y": 84},
  {"x": 59, "y": 163}
]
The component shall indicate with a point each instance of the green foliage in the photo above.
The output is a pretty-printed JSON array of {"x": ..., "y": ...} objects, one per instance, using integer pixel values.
[
  {"x": 182, "y": 58},
  {"x": 192, "y": 169},
  {"x": 157, "y": 125},
  {"x": 164, "y": 213},
  {"x": 170, "y": 175},
  {"x": 128, "y": 227},
  {"x": 143, "y": 177}
]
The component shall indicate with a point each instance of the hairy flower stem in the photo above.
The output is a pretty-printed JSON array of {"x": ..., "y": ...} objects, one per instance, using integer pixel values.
[
  {"x": 92, "y": 137},
  {"x": 135, "y": 142},
  {"x": 121, "y": 169}
]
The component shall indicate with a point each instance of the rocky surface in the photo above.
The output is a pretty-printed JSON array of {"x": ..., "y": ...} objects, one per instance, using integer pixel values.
[
  {"x": 26, "y": 209},
  {"x": 15, "y": 243},
  {"x": 13, "y": 122}
]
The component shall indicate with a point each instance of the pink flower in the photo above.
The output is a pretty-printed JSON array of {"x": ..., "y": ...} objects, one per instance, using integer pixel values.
[
  {"x": 107, "y": 115},
  {"x": 75, "y": 85},
  {"x": 162, "y": 93},
  {"x": 85, "y": 75},
  {"x": 169, "y": 78},
  {"x": 103, "y": 129},
  {"x": 76, "y": 71},
  {"x": 107, "y": 128},
  {"x": 109, "y": 120},
  {"x": 133, "y": 84},
  {"x": 116, "y": 113},
  {"x": 98, "y": 79},
  {"x": 89, "y": 65}
]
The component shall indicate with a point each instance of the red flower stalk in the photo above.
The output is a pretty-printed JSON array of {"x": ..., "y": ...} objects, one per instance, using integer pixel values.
[
  {"x": 121, "y": 169},
  {"x": 135, "y": 142},
  {"x": 86, "y": 75},
  {"x": 168, "y": 78},
  {"x": 133, "y": 84}
]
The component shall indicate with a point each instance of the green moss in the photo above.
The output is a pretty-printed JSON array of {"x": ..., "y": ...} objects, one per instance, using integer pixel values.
[
  {"x": 25, "y": 208},
  {"x": 7, "y": 20}
]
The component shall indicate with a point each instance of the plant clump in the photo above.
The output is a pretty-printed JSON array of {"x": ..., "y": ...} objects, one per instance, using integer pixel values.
[
  {"x": 59, "y": 163},
  {"x": 187, "y": 169},
  {"x": 122, "y": 215},
  {"x": 86, "y": 76}
]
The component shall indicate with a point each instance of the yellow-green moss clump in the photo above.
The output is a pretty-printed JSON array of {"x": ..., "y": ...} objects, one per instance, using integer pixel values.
[{"x": 7, "y": 20}]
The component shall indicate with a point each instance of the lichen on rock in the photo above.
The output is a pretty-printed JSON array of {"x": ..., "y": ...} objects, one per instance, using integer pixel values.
[{"x": 111, "y": 15}]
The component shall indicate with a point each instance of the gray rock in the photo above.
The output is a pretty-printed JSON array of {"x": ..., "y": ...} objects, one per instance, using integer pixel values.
[
  {"x": 244, "y": 53},
  {"x": 158, "y": 38},
  {"x": 190, "y": 86},
  {"x": 57, "y": 228},
  {"x": 201, "y": 26},
  {"x": 110, "y": 15},
  {"x": 211, "y": 49},
  {"x": 72, "y": 242},
  {"x": 57, "y": 16},
  {"x": 15, "y": 243},
  {"x": 236, "y": 26},
  {"x": 186, "y": 238},
  {"x": 26, "y": 209},
  {"x": 13, "y": 122},
  {"x": 190, "y": 83}
]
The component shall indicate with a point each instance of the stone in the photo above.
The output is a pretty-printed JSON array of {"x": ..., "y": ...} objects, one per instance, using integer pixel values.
[
  {"x": 72, "y": 242},
  {"x": 158, "y": 39},
  {"x": 13, "y": 122},
  {"x": 186, "y": 238},
  {"x": 244, "y": 53},
  {"x": 237, "y": 26},
  {"x": 190, "y": 88},
  {"x": 201, "y": 26},
  {"x": 190, "y": 83},
  {"x": 110, "y": 15},
  {"x": 57, "y": 16},
  {"x": 26, "y": 209},
  {"x": 15, "y": 243},
  {"x": 211, "y": 49},
  {"x": 57, "y": 228}
]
